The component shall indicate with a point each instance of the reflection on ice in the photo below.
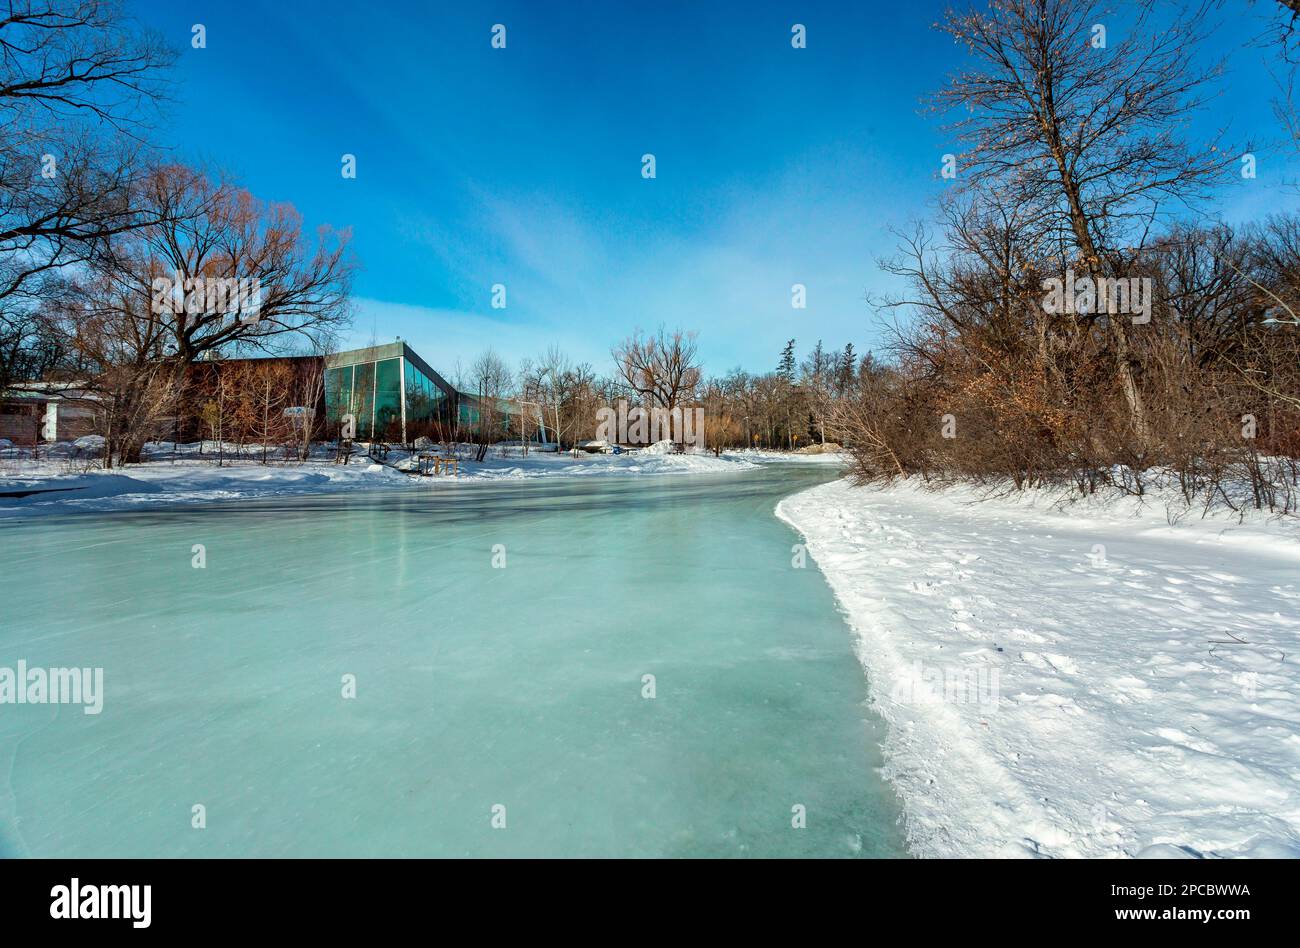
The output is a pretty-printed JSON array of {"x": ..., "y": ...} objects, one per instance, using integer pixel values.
[{"x": 475, "y": 686}]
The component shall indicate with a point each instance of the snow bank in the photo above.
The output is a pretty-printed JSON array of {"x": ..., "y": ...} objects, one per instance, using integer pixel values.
[
  {"x": 1092, "y": 682},
  {"x": 759, "y": 456},
  {"x": 659, "y": 447},
  {"x": 54, "y": 484}
]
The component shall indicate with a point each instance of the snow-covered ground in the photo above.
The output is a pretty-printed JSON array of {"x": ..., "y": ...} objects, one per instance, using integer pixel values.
[
  {"x": 1098, "y": 680},
  {"x": 65, "y": 476}
]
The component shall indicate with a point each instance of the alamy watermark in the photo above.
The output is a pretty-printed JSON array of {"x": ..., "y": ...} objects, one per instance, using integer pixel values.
[
  {"x": 78, "y": 900},
  {"x": 1130, "y": 296},
  {"x": 239, "y": 297},
  {"x": 640, "y": 426},
  {"x": 57, "y": 685},
  {"x": 965, "y": 684}
]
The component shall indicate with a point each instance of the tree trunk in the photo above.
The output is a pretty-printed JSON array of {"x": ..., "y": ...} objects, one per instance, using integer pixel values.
[{"x": 1092, "y": 262}]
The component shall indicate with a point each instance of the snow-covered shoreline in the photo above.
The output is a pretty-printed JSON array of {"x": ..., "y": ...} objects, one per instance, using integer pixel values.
[
  {"x": 1091, "y": 681},
  {"x": 56, "y": 484}
]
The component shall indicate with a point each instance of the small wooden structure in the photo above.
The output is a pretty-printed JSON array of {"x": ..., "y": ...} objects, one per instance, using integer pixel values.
[{"x": 431, "y": 464}]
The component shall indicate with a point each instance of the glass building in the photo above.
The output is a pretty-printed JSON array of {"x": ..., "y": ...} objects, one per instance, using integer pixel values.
[{"x": 394, "y": 395}]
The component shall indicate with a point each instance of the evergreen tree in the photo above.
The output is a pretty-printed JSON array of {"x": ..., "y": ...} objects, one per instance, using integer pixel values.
[
  {"x": 785, "y": 368},
  {"x": 845, "y": 370}
]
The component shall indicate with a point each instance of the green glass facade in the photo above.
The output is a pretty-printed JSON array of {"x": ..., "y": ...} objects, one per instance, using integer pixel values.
[
  {"x": 395, "y": 396},
  {"x": 388, "y": 400},
  {"x": 425, "y": 399}
]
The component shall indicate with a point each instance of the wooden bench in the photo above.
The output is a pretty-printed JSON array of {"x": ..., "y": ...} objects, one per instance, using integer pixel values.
[{"x": 431, "y": 464}]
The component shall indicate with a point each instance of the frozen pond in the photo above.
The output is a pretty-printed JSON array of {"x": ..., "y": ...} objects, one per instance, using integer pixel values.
[{"x": 476, "y": 686}]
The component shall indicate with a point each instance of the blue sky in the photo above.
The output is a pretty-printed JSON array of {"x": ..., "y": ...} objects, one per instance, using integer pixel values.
[{"x": 522, "y": 166}]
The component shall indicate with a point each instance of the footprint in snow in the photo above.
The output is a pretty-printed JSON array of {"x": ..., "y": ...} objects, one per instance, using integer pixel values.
[{"x": 1060, "y": 664}]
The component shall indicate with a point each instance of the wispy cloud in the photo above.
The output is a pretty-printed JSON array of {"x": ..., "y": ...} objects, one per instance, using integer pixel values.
[{"x": 584, "y": 277}]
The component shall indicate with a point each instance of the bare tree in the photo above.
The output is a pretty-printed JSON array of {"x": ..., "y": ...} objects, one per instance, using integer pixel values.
[
  {"x": 661, "y": 369},
  {"x": 227, "y": 271},
  {"x": 132, "y": 379},
  {"x": 268, "y": 389},
  {"x": 146, "y": 296},
  {"x": 491, "y": 376},
  {"x": 1081, "y": 135},
  {"x": 1282, "y": 37},
  {"x": 818, "y": 378},
  {"x": 77, "y": 84}
]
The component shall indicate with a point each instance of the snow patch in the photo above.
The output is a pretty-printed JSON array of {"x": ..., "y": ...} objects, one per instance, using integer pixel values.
[{"x": 1147, "y": 672}]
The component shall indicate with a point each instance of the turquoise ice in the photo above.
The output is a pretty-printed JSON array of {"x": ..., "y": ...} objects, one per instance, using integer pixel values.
[{"x": 477, "y": 686}]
